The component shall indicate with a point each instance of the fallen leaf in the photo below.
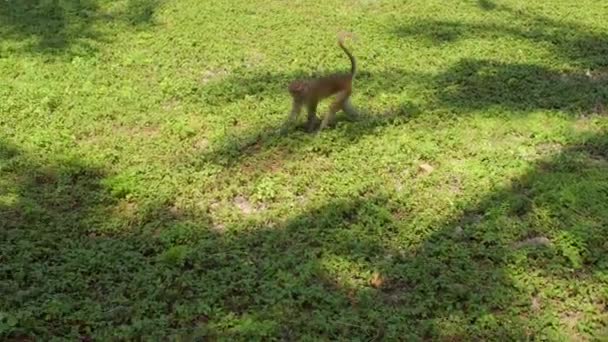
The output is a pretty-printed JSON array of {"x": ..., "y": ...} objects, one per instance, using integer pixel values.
[{"x": 377, "y": 280}]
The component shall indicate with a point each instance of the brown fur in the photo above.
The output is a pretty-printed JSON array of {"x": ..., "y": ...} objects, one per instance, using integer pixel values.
[{"x": 310, "y": 92}]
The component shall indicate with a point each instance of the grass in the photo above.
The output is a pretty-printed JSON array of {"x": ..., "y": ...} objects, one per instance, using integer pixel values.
[{"x": 146, "y": 194}]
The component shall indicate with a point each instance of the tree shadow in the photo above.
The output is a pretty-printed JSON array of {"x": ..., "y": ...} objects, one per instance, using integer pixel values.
[
  {"x": 169, "y": 271},
  {"x": 550, "y": 222},
  {"x": 581, "y": 46},
  {"x": 453, "y": 285},
  {"x": 486, "y": 5},
  {"x": 79, "y": 260},
  {"x": 480, "y": 84},
  {"x": 478, "y": 276},
  {"x": 53, "y": 27},
  {"x": 473, "y": 84},
  {"x": 141, "y": 12}
]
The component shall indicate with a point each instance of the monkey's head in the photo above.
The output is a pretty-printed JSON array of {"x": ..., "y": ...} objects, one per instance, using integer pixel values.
[{"x": 297, "y": 89}]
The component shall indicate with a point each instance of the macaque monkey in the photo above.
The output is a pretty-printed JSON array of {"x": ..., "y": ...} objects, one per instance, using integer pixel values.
[{"x": 310, "y": 92}]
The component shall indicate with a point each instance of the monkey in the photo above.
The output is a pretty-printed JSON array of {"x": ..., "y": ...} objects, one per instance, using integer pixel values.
[{"x": 310, "y": 92}]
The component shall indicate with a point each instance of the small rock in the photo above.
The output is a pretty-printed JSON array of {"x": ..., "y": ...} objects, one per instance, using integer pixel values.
[{"x": 426, "y": 168}]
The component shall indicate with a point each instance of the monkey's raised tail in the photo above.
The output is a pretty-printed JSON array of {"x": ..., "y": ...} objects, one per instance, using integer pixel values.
[{"x": 353, "y": 62}]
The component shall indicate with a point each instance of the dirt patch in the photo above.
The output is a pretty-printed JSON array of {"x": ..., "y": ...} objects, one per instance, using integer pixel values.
[
  {"x": 218, "y": 227},
  {"x": 146, "y": 131},
  {"x": 536, "y": 304},
  {"x": 394, "y": 292},
  {"x": 570, "y": 321},
  {"x": 130, "y": 131},
  {"x": 244, "y": 205},
  {"x": 268, "y": 163},
  {"x": 599, "y": 109},
  {"x": 254, "y": 59},
  {"x": 548, "y": 149},
  {"x": 455, "y": 185},
  {"x": 212, "y": 75},
  {"x": 201, "y": 144},
  {"x": 171, "y": 105},
  {"x": 535, "y": 241}
]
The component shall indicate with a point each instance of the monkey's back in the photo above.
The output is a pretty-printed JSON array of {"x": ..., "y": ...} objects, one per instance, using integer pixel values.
[{"x": 329, "y": 85}]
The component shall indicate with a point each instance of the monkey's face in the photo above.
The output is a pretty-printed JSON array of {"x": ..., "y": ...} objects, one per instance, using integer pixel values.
[{"x": 297, "y": 89}]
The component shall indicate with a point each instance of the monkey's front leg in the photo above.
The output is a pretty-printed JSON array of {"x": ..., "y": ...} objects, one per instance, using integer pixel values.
[
  {"x": 312, "y": 121},
  {"x": 296, "y": 108}
]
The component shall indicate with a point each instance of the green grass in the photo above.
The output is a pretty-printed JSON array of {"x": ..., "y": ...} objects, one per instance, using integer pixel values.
[{"x": 146, "y": 194}]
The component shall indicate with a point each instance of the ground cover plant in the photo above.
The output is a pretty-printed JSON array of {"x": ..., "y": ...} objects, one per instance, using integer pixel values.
[{"x": 146, "y": 194}]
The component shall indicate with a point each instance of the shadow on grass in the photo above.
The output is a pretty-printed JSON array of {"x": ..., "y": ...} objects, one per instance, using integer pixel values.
[
  {"x": 76, "y": 260},
  {"x": 241, "y": 147},
  {"x": 468, "y": 279},
  {"x": 475, "y": 84},
  {"x": 582, "y": 46},
  {"x": 53, "y": 27},
  {"x": 349, "y": 268},
  {"x": 486, "y": 4},
  {"x": 481, "y": 84}
]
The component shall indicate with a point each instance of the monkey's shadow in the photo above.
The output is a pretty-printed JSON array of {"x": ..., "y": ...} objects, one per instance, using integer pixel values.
[
  {"x": 234, "y": 149},
  {"x": 314, "y": 127}
]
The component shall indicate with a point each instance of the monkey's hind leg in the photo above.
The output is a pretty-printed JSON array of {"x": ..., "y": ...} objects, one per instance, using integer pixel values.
[
  {"x": 313, "y": 121},
  {"x": 338, "y": 104}
]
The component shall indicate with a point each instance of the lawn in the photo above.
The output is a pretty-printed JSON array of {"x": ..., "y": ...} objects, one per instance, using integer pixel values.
[{"x": 146, "y": 194}]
